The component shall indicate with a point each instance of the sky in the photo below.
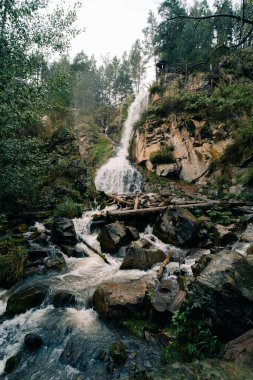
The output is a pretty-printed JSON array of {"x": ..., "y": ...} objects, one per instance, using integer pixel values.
[{"x": 111, "y": 26}]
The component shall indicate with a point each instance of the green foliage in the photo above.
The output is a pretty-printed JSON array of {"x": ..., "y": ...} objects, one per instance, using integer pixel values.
[
  {"x": 67, "y": 208},
  {"x": 12, "y": 260},
  {"x": 221, "y": 216},
  {"x": 194, "y": 338},
  {"x": 100, "y": 152},
  {"x": 163, "y": 156}
]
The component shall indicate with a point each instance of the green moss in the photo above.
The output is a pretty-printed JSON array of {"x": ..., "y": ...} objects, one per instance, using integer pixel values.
[
  {"x": 12, "y": 261},
  {"x": 68, "y": 209},
  {"x": 163, "y": 156}
]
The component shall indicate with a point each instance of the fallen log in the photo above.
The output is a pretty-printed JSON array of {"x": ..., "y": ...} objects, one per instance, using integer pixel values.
[
  {"x": 103, "y": 257},
  {"x": 163, "y": 266},
  {"x": 155, "y": 211}
]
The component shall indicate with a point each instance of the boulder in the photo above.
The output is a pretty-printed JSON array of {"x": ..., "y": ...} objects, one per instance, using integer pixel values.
[
  {"x": 76, "y": 251},
  {"x": 201, "y": 264},
  {"x": 33, "y": 341},
  {"x": 115, "y": 235},
  {"x": 36, "y": 254},
  {"x": 64, "y": 299},
  {"x": 25, "y": 299},
  {"x": 129, "y": 299},
  {"x": 177, "y": 226},
  {"x": 248, "y": 234},
  {"x": 142, "y": 255},
  {"x": 63, "y": 231},
  {"x": 168, "y": 170},
  {"x": 224, "y": 235},
  {"x": 240, "y": 349},
  {"x": 224, "y": 293},
  {"x": 12, "y": 363},
  {"x": 54, "y": 263}
]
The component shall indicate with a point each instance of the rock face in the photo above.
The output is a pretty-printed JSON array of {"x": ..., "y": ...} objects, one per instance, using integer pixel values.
[
  {"x": 25, "y": 299},
  {"x": 195, "y": 145},
  {"x": 63, "y": 231},
  {"x": 142, "y": 255},
  {"x": 226, "y": 282},
  {"x": 123, "y": 300},
  {"x": 240, "y": 349},
  {"x": 115, "y": 235},
  {"x": 176, "y": 226}
]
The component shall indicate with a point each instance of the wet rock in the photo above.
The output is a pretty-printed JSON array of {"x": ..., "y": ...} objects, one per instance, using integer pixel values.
[
  {"x": 64, "y": 299},
  {"x": 204, "y": 370},
  {"x": 37, "y": 254},
  {"x": 224, "y": 235},
  {"x": 227, "y": 282},
  {"x": 123, "y": 300},
  {"x": 33, "y": 341},
  {"x": 118, "y": 354},
  {"x": 55, "y": 263},
  {"x": 177, "y": 226},
  {"x": 201, "y": 264},
  {"x": 63, "y": 231},
  {"x": 76, "y": 251},
  {"x": 25, "y": 299},
  {"x": 240, "y": 349},
  {"x": 168, "y": 170},
  {"x": 12, "y": 363},
  {"x": 248, "y": 234},
  {"x": 142, "y": 255},
  {"x": 133, "y": 233},
  {"x": 113, "y": 236}
]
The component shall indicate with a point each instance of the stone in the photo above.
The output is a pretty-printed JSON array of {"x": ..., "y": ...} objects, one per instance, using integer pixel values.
[
  {"x": 33, "y": 341},
  {"x": 168, "y": 298},
  {"x": 248, "y": 234},
  {"x": 64, "y": 299},
  {"x": 201, "y": 264},
  {"x": 133, "y": 233},
  {"x": 63, "y": 231},
  {"x": 168, "y": 170},
  {"x": 224, "y": 293},
  {"x": 224, "y": 235},
  {"x": 211, "y": 369},
  {"x": 240, "y": 349},
  {"x": 55, "y": 263},
  {"x": 12, "y": 363},
  {"x": 36, "y": 254},
  {"x": 76, "y": 251},
  {"x": 25, "y": 299},
  {"x": 112, "y": 237},
  {"x": 122, "y": 300},
  {"x": 142, "y": 255},
  {"x": 177, "y": 226}
]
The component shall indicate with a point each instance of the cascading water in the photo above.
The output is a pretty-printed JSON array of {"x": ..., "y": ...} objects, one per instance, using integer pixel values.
[{"x": 118, "y": 175}]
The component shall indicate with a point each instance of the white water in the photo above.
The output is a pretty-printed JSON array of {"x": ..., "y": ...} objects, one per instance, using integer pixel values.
[{"x": 118, "y": 175}]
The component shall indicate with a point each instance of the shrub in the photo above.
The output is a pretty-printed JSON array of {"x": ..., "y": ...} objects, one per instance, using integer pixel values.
[
  {"x": 68, "y": 209},
  {"x": 12, "y": 260},
  {"x": 100, "y": 152},
  {"x": 163, "y": 156}
]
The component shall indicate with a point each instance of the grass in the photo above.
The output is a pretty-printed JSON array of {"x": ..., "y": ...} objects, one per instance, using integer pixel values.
[
  {"x": 12, "y": 261},
  {"x": 67, "y": 208}
]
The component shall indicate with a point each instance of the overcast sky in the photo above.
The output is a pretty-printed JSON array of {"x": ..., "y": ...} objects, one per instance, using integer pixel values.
[{"x": 111, "y": 26}]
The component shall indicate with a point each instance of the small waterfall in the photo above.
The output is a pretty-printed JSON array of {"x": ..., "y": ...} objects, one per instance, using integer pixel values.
[{"x": 118, "y": 175}]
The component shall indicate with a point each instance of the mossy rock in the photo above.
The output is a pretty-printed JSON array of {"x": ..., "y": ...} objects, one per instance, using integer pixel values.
[{"x": 25, "y": 299}]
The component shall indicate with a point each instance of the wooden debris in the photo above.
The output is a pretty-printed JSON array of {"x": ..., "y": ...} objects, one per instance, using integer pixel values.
[
  {"x": 103, "y": 257},
  {"x": 163, "y": 266}
]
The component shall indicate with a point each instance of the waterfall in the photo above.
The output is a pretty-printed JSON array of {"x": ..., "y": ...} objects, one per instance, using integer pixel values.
[{"x": 118, "y": 175}]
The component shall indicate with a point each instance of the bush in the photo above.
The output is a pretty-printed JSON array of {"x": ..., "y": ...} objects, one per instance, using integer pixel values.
[
  {"x": 100, "y": 152},
  {"x": 163, "y": 156},
  {"x": 68, "y": 209},
  {"x": 12, "y": 260}
]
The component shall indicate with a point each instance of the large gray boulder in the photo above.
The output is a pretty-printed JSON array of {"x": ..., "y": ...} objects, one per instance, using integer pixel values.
[
  {"x": 142, "y": 255},
  {"x": 63, "y": 231},
  {"x": 177, "y": 226},
  {"x": 129, "y": 299},
  {"x": 224, "y": 293},
  {"x": 115, "y": 235}
]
